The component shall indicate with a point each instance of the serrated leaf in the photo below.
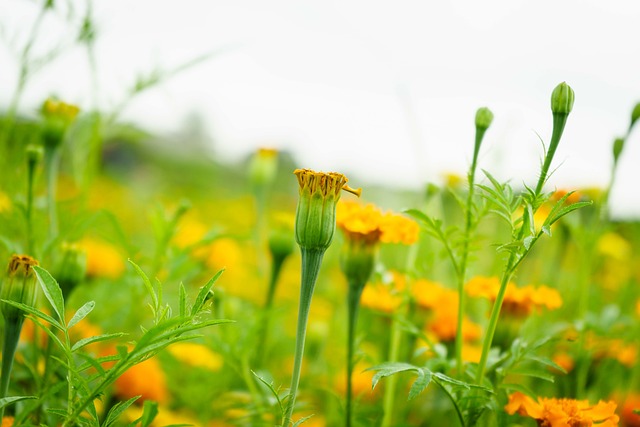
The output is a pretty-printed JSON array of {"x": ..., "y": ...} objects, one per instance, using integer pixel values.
[
  {"x": 204, "y": 292},
  {"x": 86, "y": 341},
  {"x": 418, "y": 386},
  {"x": 51, "y": 290},
  {"x": 5, "y": 401},
  {"x": 554, "y": 217},
  {"x": 117, "y": 410},
  {"x": 81, "y": 313},
  {"x": 387, "y": 369}
]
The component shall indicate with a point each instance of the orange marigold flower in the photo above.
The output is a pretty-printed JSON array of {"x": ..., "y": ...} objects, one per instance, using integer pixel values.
[
  {"x": 552, "y": 412},
  {"x": 630, "y": 404},
  {"x": 564, "y": 360},
  {"x": 7, "y": 421},
  {"x": 518, "y": 301},
  {"x": 573, "y": 197},
  {"x": 103, "y": 259},
  {"x": 146, "y": 379},
  {"x": 369, "y": 224},
  {"x": 444, "y": 325}
]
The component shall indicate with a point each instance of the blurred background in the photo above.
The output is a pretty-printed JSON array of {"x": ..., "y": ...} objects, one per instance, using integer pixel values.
[{"x": 384, "y": 92}]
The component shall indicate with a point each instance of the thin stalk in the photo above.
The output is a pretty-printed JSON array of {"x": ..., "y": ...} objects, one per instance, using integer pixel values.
[
  {"x": 31, "y": 171},
  {"x": 355, "y": 292},
  {"x": 389, "y": 396},
  {"x": 263, "y": 333},
  {"x": 311, "y": 261},
  {"x": 559, "y": 121},
  {"x": 11, "y": 337},
  {"x": 52, "y": 163},
  {"x": 462, "y": 267}
]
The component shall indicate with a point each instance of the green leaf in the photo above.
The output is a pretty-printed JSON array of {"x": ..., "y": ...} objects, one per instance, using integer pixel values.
[
  {"x": 518, "y": 387},
  {"x": 81, "y": 313},
  {"x": 545, "y": 361},
  {"x": 35, "y": 312},
  {"x": 61, "y": 412},
  {"x": 5, "y": 401},
  {"x": 117, "y": 410},
  {"x": 183, "y": 300},
  {"x": 387, "y": 369},
  {"x": 90, "y": 340},
  {"x": 532, "y": 372},
  {"x": 272, "y": 390},
  {"x": 418, "y": 386},
  {"x": 147, "y": 284},
  {"x": 302, "y": 420},
  {"x": 149, "y": 413},
  {"x": 555, "y": 216},
  {"x": 51, "y": 290},
  {"x": 204, "y": 292}
]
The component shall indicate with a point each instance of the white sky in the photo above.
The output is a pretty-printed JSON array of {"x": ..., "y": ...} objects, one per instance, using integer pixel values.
[{"x": 384, "y": 90}]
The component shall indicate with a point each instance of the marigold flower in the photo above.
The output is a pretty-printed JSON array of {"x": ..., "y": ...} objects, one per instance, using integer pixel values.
[
  {"x": 196, "y": 355},
  {"x": 379, "y": 296},
  {"x": 316, "y": 211},
  {"x": 369, "y": 224},
  {"x": 629, "y": 405},
  {"x": 552, "y": 412},
  {"x": 103, "y": 259},
  {"x": 518, "y": 301},
  {"x": 146, "y": 379},
  {"x": 7, "y": 421}
]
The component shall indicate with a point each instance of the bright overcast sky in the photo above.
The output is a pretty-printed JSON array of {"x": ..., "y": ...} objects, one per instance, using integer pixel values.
[{"x": 383, "y": 90}]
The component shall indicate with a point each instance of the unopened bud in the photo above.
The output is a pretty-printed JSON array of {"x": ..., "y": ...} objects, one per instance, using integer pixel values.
[
  {"x": 72, "y": 268},
  {"x": 635, "y": 114},
  {"x": 484, "y": 117},
  {"x": 19, "y": 285},
  {"x": 618, "y": 145},
  {"x": 562, "y": 99},
  {"x": 263, "y": 167}
]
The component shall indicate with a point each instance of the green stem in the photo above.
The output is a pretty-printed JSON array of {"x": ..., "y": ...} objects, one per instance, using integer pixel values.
[
  {"x": 390, "y": 387},
  {"x": 355, "y": 292},
  {"x": 263, "y": 329},
  {"x": 11, "y": 337},
  {"x": 52, "y": 162},
  {"x": 311, "y": 261},
  {"x": 31, "y": 171},
  {"x": 559, "y": 121},
  {"x": 462, "y": 268}
]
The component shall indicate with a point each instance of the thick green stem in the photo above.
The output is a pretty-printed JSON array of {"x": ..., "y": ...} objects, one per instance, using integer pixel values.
[
  {"x": 462, "y": 268},
  {"x": 311, "y": 261},
  {"x": 355, "y": 292},
  {"x": 11, "y": 337}
]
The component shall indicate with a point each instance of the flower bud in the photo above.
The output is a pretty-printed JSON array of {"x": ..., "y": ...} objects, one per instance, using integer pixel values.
[
  {"x": 263, "y": 167},
  {"x": 635, "y": 114},
  {"x": 281, "y": 242},
  {"x": 618, "y": 145},
  {"x": 58, "y": 116},
  {"x": 562, "y": 99},
  {"x": 34, "y": 154},
  {"x": 316, "y": 212},
  {"x": 72, "y": 268},
  {"x": 19, "y": 285},
  {"x": 358, "y": 260},
  {"x": 484, "y": 117}
]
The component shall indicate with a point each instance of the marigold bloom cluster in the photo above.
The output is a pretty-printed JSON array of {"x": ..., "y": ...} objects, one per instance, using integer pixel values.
[
  {"x": 368, "y": 224},
  {"x": 519, "y": 301},
  {"x": 551, "y": 412}
]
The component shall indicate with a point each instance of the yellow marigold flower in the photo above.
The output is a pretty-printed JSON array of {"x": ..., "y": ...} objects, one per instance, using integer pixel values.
[
  {"x": 453, "y": 180},
  {"x": 615, "y": 246},
  {"x": 471, "y": 352},
  {"x": 103, "y": 259},
  {"x": 5, "y": 203},
  {"x": 551, "y": 412},
  {"x": 564, "y": 360},
  {"x": 380, "y": 297},
  {"x": 518, "y": 301},
  {"x": 430, "y": 295},
  {"x": 7, "y": 421},
  {"x": 197, "y": 355},
  {"x": 360, "y": 382}
]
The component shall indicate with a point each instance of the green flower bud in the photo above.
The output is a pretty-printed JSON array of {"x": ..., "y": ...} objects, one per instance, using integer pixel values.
[
  {"x": 357, "y": 261},
  {"x": 281, "y": 242},
  {"x": 72, "y": 268},
  {"x": 635, "y": 114},
  {"x": 34, "y": 154},
  {"x": 316, "y": 211},
  {"x": 263, "y": 167},
  {"x": 484, "y": 117},
  {"x": 19, "y": 285},
  {"x": 562, "y": 99},
  {"x": 618, "y": 145},
  {"x": 58, "y": 116}
]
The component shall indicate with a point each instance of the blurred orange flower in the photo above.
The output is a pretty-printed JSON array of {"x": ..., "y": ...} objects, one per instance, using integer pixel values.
[
  {"x": 369, "y": 224},
  {"x": 146, "y": 379},
  {"x": 103, "y": 259},
  {"x": 551, "y": 412},
  {"x": 378, "y": 296}
]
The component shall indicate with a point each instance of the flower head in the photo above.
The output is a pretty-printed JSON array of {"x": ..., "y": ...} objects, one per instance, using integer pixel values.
[
  {"x": 316, "y": 211},
  {"x": 551, "y": 412},
  {"x": 57, "y": 118},
  {"x": 19, "y": 285}
]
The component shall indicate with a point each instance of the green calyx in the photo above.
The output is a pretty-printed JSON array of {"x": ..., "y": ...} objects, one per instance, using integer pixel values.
[
  {"x": 562, "y": 99},
  {"x": 484, "y": 117},
  {"x": 19, "y": 285}
]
